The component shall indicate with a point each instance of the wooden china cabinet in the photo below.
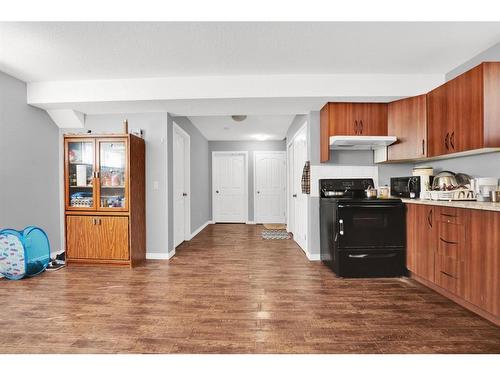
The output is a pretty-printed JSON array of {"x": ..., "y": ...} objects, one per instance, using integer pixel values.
[{"x": 104, "y": 197}]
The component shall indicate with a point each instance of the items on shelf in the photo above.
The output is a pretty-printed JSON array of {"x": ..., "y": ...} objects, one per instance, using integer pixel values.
[{"x": 82, "y": 199}]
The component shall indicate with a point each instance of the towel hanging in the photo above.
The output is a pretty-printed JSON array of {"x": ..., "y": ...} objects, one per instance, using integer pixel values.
[{"x": 306, "y": 178}]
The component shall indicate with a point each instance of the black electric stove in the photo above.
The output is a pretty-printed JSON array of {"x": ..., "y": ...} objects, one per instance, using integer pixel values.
[{"x": 361, "y": 237}]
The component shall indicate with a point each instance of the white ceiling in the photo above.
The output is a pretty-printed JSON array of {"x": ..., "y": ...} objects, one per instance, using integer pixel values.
[
  {"x": 253, "y": 128},
  {"x": 86, "y": 50}
]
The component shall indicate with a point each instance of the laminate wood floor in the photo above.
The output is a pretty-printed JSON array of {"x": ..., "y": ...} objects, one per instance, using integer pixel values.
[{"x": 229, "y": 291}]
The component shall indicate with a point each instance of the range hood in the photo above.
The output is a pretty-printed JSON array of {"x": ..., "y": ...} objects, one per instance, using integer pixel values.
[{"x": 360, "y": 142}]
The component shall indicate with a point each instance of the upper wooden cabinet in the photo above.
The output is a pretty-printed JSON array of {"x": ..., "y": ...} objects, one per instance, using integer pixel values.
[
  {"x": 463, "y": 114},
  {"x": 351, "y": 119},
  {"x": 407, "y": 120}
]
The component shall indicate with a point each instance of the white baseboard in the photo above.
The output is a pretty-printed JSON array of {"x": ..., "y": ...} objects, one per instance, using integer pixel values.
[
  {"x": 203, "y": 226},
  {"x": 250, "y": 222},
  {"x": 160, "y": 256},
  {"x": 313, "y": 257}
]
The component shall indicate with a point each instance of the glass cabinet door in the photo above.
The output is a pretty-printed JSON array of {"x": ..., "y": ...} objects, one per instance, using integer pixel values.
[
  {"x": 113, "y": 174},
  {"x": 80, "y": 174}
]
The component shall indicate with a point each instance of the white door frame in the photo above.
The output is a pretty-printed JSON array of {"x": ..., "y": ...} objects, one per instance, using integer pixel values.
[
  {"x": 289, "y": 200},
  {"x": 255, "y": 219},
  {"x": 187, "y": 180},
  {"x": 245, "y": 155}
]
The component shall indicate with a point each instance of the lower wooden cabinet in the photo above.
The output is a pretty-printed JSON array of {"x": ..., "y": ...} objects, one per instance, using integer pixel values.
[
  {"x": 421, "y": 240},
  {"x": 97, "y": 237},
  {"x": 457, "y": 250},
  {"x": 483, "y": 261}
]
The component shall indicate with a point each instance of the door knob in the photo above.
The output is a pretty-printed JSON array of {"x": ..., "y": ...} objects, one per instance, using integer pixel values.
[
  {"x": 184, "y": 194},
  {"x": 258, "y": 192},
  {"x": 295, "y": 195},
  {"x": 217, "y": 191}
]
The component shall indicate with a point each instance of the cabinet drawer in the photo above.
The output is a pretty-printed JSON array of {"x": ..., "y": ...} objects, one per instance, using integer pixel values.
[
  {"x": 447, "y": 273},
  {"x": 451, "y": 215},
  {"x": 451, "y": 240}
]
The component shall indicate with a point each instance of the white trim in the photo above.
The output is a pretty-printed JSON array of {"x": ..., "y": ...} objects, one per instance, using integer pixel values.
[
  {"x": 250, "y": 222},
  {"x": 160, "y": 256},
  {"x": 285, "y": 176},
  {"x": 313, "y": 257},
  {"x": 245, "y": 154},
  {"x": 201, "y": 227},
  {"x": 166, "y": 178},
  {"x": 292, "y": 138},
  {"x": 187, "y": 179}
]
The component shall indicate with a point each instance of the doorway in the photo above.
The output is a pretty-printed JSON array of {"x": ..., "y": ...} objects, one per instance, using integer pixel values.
[
  {"x": 181, "y": 173},
  {"x": 269, "y": 187},
  {"x": 230, "y": 186}
]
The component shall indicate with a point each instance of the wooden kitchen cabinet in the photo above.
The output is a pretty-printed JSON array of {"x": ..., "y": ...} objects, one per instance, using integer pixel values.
[
  {"x": 351, "y": 119},
  {"x": 463, "y": 114},
  {"x": 451, "y": 257},
  {"x": 105, "y": 199},
  {"x": 464, "y": 263},
  {"x": 483, "y": 261},
  {"x": 407, "y": 120},
  {"x": 421, "y": 230}
]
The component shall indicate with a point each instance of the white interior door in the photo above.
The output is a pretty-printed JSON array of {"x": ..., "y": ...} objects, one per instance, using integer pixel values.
[
  {"x": 269, "y": 187},
  {"x": 229, "y": 190},
  {"x": 299, "y": 151},
  {"x": 290, "y": 189},
  {"x": 181, "y": 186}
]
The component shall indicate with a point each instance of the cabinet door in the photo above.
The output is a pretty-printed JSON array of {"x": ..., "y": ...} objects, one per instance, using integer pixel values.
[
  {"x": 437, "y": 125},
  {"x": 324, "y": 120},
  {"x": 341, "y": 118},
  {"x": 421, "y": 231},
  {"x": 464, "y": 111},
  {"x": 426, "y": 240},
  {"x": 372, "y": 118},
  {"x": 407, "y": 120},
  {"x": 113, "y": 181},
  {"x": 483, "y": 259},
  {"x": 80, "y": 237},
  {"x": 79, "y": 168},
  {"x": 112, "y": 237}
]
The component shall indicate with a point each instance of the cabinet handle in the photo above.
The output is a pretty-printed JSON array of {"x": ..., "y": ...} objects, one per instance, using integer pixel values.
[
  {"x": 448, "y": 242},
  {"x": 446, "y": 140},
  {"x": 355, "y": 126},
  {"x": 361, "y": 124},
  {"x": 452, "y": 140},
  {"x": 448, "y": 274},
  {"x": 93, "y": 221},
  {"x": 423, "y": 147},
  {"x": 429, "y": 218},
  {"x": 341, "y": 227}
]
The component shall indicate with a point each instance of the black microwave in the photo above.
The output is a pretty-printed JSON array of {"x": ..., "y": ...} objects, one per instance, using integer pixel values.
[{"x": 406, "y": 187}]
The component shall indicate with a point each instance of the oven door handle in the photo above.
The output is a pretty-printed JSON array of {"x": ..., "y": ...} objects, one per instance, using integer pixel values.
[
  {"x": 369, "y": 205},
  {"x": 341, "y": 227},
  {"x": 363, "y": 256}
]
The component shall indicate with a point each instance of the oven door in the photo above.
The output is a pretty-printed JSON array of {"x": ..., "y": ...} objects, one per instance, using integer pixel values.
[{"x": 371, "y": 225}]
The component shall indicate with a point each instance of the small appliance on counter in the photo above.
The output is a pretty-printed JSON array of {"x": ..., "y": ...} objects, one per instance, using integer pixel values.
[
  {"x": 483, "y": 187},
  {"x": 410, "y": 187},
  {"x": 361, "y": 236}
]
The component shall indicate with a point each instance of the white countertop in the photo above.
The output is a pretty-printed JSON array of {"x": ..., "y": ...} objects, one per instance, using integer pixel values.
[{"x": 487, "y": 206}]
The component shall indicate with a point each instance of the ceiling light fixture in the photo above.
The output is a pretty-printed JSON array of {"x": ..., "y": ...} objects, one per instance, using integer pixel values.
[
  {"x": 238, "y": 118},
  {"x": 261, "y": 137}
]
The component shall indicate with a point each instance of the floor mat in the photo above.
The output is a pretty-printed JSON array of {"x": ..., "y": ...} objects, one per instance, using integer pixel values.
[{"x": 273, "y": 234}]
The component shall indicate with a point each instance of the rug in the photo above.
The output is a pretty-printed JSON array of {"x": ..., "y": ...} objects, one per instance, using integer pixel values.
[
  {"x": 275, "y": 234},
  {"x": 274, "y": 226}
]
